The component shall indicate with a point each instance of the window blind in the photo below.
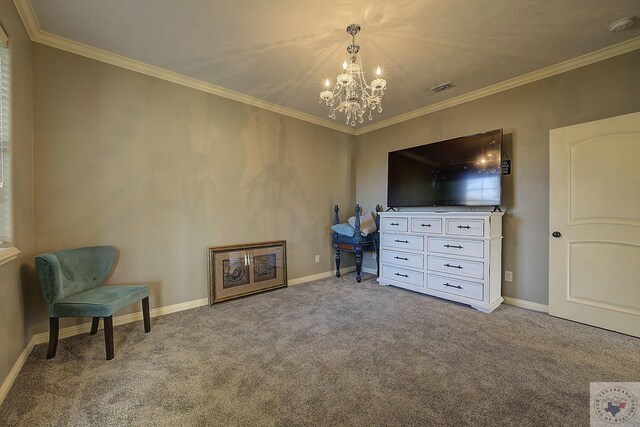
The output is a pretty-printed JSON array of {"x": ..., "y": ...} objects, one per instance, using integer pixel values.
[{"x": 5, "y": 153}]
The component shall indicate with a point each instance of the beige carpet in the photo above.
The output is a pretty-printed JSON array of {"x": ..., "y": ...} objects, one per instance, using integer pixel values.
[{"x": 328, "y": 353}]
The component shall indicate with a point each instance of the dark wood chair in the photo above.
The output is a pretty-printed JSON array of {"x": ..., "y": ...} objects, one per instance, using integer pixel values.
[{"x": 358, "y": 243}]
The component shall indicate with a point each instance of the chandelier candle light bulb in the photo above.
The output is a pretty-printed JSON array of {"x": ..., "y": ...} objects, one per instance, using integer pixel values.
[{"x": 352, "y": 94}]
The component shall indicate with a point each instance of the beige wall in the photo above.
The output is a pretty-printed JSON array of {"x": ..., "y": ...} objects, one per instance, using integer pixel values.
[
  {"x": 526, "y": 114},
  {"x": 15, "y": 285},
  {"x": 162, "y": 171}
]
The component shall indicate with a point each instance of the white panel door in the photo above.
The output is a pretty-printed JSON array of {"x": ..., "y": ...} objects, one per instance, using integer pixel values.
[{"x": 594, "y": 216}]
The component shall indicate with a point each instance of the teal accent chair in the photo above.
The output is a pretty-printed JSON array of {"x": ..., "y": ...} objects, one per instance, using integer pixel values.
[{"x": 72, "y": 283}]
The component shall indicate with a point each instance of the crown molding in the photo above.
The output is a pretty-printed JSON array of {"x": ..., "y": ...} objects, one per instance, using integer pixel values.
[
  {"x": 32, "y": 26},
  {"x": 562, "y": 67},
  {"x": 28, "y": 17}
]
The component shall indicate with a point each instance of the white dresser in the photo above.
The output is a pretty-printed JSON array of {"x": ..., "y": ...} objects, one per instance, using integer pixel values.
[{"x": 452, "y": 255}]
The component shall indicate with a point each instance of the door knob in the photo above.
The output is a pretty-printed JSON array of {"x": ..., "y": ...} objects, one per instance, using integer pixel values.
[{"x": 556, "y": 234}]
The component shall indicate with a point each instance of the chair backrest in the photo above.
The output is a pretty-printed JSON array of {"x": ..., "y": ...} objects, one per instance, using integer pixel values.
[{"x": 69, "y": 272}]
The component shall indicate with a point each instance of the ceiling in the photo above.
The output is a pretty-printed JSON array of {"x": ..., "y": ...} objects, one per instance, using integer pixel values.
[{"x": 282, "y": 51}]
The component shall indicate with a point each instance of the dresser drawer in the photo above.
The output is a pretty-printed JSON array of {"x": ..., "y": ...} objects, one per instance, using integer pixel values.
[
  {"x": 402, "y": 241},
  {"x": 426, "y": 225},
  {"x": 474, "y": 248},
  {"x": 403, "y": 259},
  {"x": 455, "y": 287},
  {"x": 414, "y": 278},
  {"x": 394, "y": 224},
  {"x": 474, "y": 269},
  {"x": 465, "y": 227}
]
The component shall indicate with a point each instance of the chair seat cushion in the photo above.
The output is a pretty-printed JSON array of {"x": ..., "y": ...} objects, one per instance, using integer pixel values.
[
  {"x": 344, "y": 229},
  {"x": 102, "y": 301}
]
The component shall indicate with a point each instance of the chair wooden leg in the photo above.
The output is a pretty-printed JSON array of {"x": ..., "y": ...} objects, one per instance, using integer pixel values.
[
  {"x": 94, "y": 325},
  {"x": 54, "y": 327},
  {"x": 358, "y": 252},
  {"x": 145, "y": 314},
  {"x": 108, "y": 336}
]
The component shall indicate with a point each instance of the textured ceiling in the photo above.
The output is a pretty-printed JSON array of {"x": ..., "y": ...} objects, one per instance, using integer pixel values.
[{"x": 281, "y": 51}]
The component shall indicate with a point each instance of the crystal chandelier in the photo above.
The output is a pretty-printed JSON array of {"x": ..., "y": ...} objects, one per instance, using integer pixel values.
[{"x": 352, "y": 94}]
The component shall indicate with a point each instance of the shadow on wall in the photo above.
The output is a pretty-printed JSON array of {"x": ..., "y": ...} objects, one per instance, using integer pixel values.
[
  {"x": 145, "y": 173},
  {"x": 155, "y": 182},
  {"x": 274, "y": 194},
  {"x": 29, "y": 282}
]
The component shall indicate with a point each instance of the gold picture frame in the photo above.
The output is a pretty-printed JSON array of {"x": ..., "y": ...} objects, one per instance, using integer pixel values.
[{"x": 239, "y": 270}]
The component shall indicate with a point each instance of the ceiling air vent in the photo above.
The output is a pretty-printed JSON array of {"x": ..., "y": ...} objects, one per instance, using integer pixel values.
[{"x": 443, "y": 86}]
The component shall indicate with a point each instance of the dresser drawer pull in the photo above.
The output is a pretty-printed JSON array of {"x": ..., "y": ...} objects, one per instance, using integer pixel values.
[
  {"x": 464, "y": 226},
  {"x": 402, "y": 275},
  {"x": 453, "y": 266},
  {"x": 394, "y": 223},
  {"x": 451, "y": 286},
  {"x": 453, "y": 246},
  {"x": 401, "y": 241},
  {"x": 425, "y": 225},
  {"x": 399, "y": 257}
]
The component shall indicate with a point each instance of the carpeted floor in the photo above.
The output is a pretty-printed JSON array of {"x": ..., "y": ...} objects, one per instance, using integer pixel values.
[{"x": 331, "y": 352}]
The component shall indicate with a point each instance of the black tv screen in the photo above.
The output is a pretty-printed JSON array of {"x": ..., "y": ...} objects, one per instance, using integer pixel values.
[{"x": 464, "y": 171}]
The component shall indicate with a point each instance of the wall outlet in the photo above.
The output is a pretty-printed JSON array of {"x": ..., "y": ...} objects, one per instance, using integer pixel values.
[
  {"x": 317, "y": 259},
  {"x": 508, "y": 276}
]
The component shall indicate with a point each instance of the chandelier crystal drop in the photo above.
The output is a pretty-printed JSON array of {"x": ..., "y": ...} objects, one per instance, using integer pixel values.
[{"x": 352, "y": 94}]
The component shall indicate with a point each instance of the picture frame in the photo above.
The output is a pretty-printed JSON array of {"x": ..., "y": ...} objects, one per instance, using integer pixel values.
[{"x": 238, "y": 270}]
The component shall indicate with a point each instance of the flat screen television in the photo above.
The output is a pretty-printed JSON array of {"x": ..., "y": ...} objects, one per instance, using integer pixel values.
[{"x": 463, "y": 171}]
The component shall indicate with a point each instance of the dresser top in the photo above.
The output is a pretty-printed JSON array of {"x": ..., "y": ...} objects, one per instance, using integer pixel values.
[{"x": 434, "y": 214}]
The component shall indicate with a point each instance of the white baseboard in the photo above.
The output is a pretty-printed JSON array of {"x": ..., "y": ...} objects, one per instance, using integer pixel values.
[
  {"x": 13, "y": 374},
  {"x": 526, "y": 304},
  {"x": 369, "y": 270},
  {"x": 507, "y": 300},
  {"x": 324, "y": 275},
  {"x": 121, "y": 320},
  {"x": 70, "y": 331}
]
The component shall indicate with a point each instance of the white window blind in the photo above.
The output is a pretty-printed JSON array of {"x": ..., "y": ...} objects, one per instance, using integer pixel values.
[{"x": 5, "y": 153}]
